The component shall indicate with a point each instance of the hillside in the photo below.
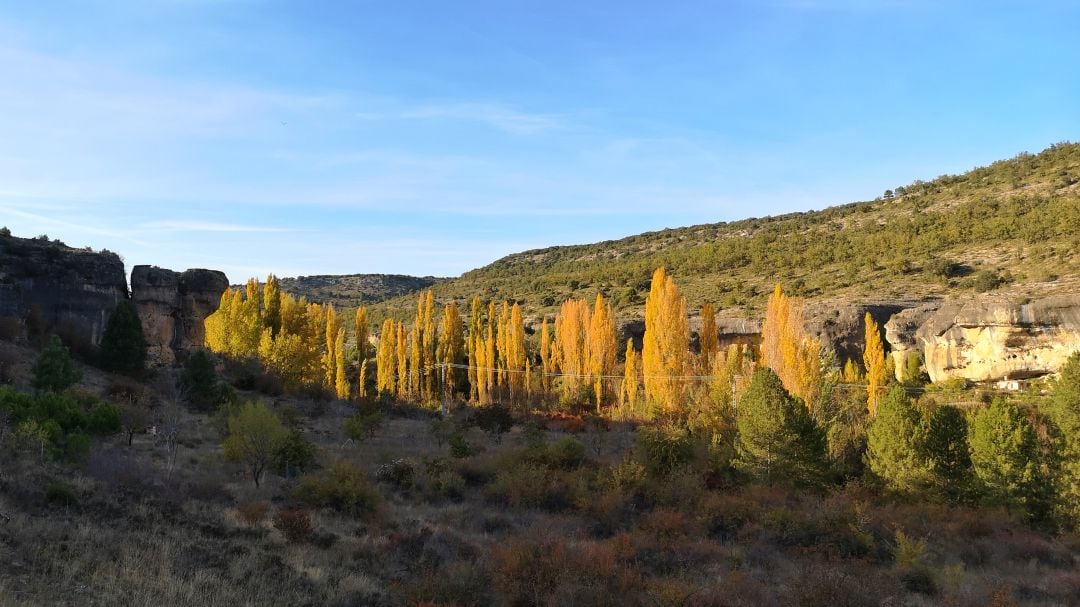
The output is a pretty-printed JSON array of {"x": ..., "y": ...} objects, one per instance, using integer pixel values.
[
  {"x": 1012, "y": 226},
  {"x": 351, "y": 290}
]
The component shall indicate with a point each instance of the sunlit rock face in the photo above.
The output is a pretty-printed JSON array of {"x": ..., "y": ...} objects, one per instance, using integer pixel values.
[
  {"x": 172, "y": 307},
  {"x": 990, "y": 338},
  {"x": 72, "y": 291}
]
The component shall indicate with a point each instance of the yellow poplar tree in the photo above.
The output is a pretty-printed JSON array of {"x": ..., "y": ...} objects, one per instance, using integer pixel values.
[
  {"x": 341, "y": 382},
  {"x": 451, "y": 350},
  {"x": 788, "y": 351},
  {"x": 362, "y": 331},
  {"x": 709, "y": 339},
  {"x": 874, "y": 361},
  {"x": 665, "y": 344},
  {"x": 546, "y": 358},
  {"x": 402, "y": 361},
  {"x": 571, "y": 346},
  {"x": 631, "y": 377},
  {"x": 475, "y": 320},
  {"x": 601, "y": 346},
  {"x": 386, "y": 358},
  {"x": 272, "y": 305},
  {"x": 515, "y": 353},
  {"x": 333, "y": 325}
]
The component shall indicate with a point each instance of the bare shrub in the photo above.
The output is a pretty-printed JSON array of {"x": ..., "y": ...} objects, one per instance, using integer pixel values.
[
  {"x": 294, "y": 524},
  {"x": 252, "y": 513}
]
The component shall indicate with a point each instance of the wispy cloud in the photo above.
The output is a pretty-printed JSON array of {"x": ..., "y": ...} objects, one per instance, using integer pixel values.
[
  {"x": 496, "y": 115},
  {"x": 207, "y": 226}
]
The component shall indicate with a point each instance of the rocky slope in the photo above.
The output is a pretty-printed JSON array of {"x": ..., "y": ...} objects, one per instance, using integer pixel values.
[{"x": 351, "y": 290}]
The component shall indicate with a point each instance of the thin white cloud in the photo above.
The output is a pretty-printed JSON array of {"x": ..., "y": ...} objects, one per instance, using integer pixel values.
[
  {"x": 495, "y": 115},
  {"x": 207, "y": 226}
]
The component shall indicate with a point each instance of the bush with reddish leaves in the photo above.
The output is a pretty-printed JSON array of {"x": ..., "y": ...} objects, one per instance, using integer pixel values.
[{"x": 294, "y": 524}]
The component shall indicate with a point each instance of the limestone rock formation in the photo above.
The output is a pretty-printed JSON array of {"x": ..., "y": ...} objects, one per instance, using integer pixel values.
[
  {"x": 72, "y": 290},
  {"x": 841, "y": 325},
  {"x": 901, "y": 332},
  {"x": 991, "y": 338},
  {"x": 172, "y": 307}
]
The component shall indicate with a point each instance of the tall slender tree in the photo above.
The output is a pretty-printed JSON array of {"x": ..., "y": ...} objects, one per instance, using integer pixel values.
[
  {"x": 874, "y": 362},
  {"x": 665, "y": 344}
]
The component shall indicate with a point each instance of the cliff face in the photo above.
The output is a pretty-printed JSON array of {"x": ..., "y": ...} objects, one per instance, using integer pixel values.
[
  {"x": 74, "y": 289},
  {"x": 987, "y": 338},
  {"x": 172, "y": 307}
]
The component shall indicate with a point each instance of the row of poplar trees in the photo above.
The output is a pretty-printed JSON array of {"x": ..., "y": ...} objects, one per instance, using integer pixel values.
[{"x": 488, "y": 358}]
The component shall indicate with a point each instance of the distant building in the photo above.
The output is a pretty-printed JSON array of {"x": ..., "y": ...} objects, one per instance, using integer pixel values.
[{"x": 1011, "y": 385}]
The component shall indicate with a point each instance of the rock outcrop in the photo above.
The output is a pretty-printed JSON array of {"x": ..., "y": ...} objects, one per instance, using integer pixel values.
[
  {"x": 991, "y": 338},
  {"x": 72, "y": 291},
  {"x": 172, "y": 307},
  {"x": 841, "y": 325}
]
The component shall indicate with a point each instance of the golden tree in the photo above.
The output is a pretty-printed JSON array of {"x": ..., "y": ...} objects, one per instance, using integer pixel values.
[
  {"x": 451, "y": 350},
  {"x": 272, "y": 305},
  {"x": 362, "y": 331},
  {"x": 709, "y": 339},
  {"x": 788, "y": 351},
  {"x": 473, "y": 343},
  {"x": 631, "y": 385},
  {"x": 601, "y": 347},
  {"x": 515, "y": 353},
  {"x": 665, "y": 344},
  {"x": 874, "y": 361},
  {"x": 341, "y": 382},
  {"x": 547, "y": 360},
  {"x": 571, "y": 346},
  {"x": 386, "y": 358},
  {"x": 333, "y": 326},
  {"x": 402, "y": 361}
]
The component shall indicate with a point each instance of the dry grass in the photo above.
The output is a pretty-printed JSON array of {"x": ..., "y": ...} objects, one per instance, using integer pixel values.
[{"x": 480, "y": 531}]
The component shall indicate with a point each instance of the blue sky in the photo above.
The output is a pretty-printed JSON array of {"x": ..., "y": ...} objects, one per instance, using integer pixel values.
[{"x": 433, "y": 137}]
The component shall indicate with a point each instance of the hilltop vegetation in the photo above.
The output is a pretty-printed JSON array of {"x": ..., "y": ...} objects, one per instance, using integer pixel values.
[
  {"x": 1013, "y": 224},
  {"x": 351, "y": 290}
]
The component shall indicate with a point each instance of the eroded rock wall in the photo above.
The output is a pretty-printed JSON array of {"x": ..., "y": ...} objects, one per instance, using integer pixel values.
[
  {"x": 172, "y": 307},
  {"x": 74, "y": 290},
  {"x": 991, "y": 338}
]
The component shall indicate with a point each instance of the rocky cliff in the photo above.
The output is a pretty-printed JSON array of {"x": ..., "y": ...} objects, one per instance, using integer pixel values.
[
  {"x": 71, "y": 290},
  {"x": 990, "y": 338},
  {"x": 172, "y": 307}
]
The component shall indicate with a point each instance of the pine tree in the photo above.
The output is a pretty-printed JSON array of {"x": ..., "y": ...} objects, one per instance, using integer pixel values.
[
  {"x": 123, "y": 347},
  {"x": 1005, "y": 458},
  {"x": 874, "y": 362},
  {"x": 1063, "y": 410},
  {"x": 665, "y": 344},
  {"x": 895, "y": 444},
  {"x": 709, "y": 339},
  {"x": 778, "y": 440},
  {"x": 947, "y": 451},
  {"x": 55, "y": 370}
]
